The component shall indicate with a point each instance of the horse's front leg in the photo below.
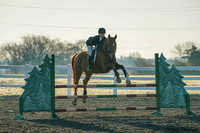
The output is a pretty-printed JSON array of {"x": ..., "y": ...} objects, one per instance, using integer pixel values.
[
  {"x": 119, "y": 66},
  {"x": 118, "y": 79},
  {"x": 112, "y": 66}
]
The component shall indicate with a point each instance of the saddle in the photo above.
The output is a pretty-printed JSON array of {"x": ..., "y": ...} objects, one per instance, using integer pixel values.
[{"x": 93, "y": 58}]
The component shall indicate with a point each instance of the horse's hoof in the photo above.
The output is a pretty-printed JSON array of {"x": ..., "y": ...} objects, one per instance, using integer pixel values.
[
  {"x": 84, "y": 100},
  {"x": 128, "y": 82},
  {"x": 74, "y": 103},
  {"x": 118, "y": 80}
]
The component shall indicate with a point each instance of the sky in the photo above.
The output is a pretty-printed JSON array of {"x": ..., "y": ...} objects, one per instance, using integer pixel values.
[{"x": 144, "y": 26}]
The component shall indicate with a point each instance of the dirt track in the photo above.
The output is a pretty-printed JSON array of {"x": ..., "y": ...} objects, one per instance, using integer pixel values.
[{"x": 101, "y": 121}]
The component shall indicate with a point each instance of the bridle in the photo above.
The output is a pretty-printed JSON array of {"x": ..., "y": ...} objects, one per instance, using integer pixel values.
[{"x": 107, "y": 53}]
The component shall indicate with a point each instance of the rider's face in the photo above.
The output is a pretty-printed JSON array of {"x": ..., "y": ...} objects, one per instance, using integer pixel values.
[{"x": 101, "y": 35}]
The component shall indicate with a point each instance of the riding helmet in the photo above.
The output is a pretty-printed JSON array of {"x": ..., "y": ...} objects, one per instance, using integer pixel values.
[{"x": 102, "y": 30}]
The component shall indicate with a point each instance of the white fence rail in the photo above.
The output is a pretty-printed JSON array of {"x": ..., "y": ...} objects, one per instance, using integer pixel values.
[{"x": 27, "y": 68}]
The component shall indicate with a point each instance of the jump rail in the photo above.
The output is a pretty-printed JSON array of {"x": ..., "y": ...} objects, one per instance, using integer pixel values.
[
  {"x": 106, "y": 108},
  {"x": 106, "y": 96},
  {"x": 105, "y": 85}
]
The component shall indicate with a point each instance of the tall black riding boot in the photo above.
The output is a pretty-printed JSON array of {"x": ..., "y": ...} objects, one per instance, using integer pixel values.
[{"x": 89, "y": 63}]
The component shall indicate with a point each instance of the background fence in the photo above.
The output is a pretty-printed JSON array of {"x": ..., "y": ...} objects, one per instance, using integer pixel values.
[{"x": 68, "y": 76}]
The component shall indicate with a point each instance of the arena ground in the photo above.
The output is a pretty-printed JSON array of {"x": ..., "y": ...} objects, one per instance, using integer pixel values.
[{"x": 101, "y": 121}]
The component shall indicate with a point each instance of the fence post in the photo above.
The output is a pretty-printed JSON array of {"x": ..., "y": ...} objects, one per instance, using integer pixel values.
[
  {"x": 20, "y": 116},
  {"x": 187, "y": 101},
  {"x": 157, "y": 80},
  {"x": 115, "y": 89},
  {"x": 53, "y": 113},
  {"x": 26, "y": 71},
  {"x": 69, "y": 77}
]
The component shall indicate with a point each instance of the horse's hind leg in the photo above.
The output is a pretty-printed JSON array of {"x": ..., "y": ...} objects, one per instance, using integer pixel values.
[
  {"x": 77, "y": 76},
  {"x": 85, "y": 81},
  {"x": 74, "y": 102}
]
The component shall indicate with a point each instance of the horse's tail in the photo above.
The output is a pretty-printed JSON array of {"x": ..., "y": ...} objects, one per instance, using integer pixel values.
[{"x": 72, "y": 64}]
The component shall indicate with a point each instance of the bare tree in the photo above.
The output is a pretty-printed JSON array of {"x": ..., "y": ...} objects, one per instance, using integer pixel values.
[
  {"x": 179, "y": 49},
  {"x": 33, "y": 48},
  {"x": 141, "y": 62},
  {"x": 135, "y": 55}
]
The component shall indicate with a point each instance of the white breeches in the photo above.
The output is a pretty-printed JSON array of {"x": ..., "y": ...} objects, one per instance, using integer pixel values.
[{"x": 90, "y": 48}]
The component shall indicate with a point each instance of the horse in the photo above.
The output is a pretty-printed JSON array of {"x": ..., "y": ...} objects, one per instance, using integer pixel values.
[{"x": 105, "y": 62}]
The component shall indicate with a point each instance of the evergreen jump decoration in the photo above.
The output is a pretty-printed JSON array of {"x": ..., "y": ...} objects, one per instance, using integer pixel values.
[
  {"x": 39, "y": 91},
  {"x": 172, "y": 87}
]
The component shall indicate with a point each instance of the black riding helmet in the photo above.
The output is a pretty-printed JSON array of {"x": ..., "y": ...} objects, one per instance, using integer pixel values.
[{"x": 102, "y": 30}]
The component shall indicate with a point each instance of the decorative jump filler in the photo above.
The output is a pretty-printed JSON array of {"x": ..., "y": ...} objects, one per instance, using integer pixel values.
[{"x": 39, "y": 91}]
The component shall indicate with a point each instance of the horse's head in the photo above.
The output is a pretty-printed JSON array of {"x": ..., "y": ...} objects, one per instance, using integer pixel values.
[{"x": 111, "y": 46}]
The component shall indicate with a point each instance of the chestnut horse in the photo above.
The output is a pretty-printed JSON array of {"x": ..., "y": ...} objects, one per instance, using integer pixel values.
[{"x": 105, "y": 61}]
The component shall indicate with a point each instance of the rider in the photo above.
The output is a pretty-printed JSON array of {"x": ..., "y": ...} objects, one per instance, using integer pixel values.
[{"x": 94, "y": 41}]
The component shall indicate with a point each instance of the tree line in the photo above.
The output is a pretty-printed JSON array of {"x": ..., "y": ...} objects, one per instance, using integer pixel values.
[
  {"x": 188, "y": 54},
  {"x": 33, "y": 48}
]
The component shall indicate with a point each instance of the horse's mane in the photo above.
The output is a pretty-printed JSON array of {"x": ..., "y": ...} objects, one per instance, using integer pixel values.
[{"x": 104, "y": 44}]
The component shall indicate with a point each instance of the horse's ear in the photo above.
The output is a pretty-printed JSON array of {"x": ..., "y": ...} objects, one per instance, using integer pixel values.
[
  {"x": 115, "y": 37},
  {"x": 109, "y": 36}
]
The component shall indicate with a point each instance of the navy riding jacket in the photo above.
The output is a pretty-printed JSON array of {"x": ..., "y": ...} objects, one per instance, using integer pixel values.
[{"x": 95, "y": 41}]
